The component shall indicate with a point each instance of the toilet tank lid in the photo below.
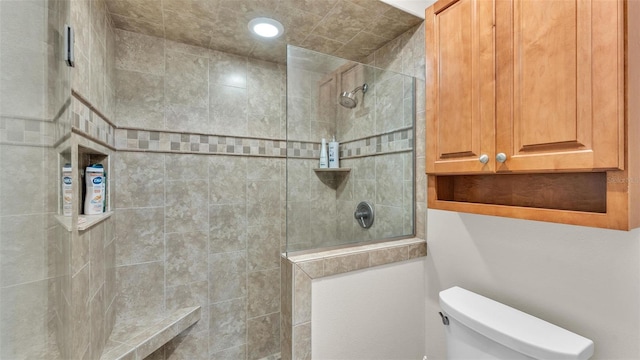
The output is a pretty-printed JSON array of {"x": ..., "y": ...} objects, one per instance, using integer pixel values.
[{"x": 513, "y": 328}]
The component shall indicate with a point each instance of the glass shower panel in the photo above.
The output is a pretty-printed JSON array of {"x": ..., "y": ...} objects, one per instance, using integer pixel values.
[
  {"x": 371, "y": 113},
  {"x": 35, "y": 94}
]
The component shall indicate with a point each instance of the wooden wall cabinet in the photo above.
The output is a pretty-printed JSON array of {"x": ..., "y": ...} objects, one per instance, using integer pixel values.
[{"x": 531, "y": 112}]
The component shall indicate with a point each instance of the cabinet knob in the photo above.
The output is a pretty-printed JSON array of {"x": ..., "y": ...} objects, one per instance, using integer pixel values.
[
  {"x": 501, "y": 157},
  {"x": 484, "y": 158}
]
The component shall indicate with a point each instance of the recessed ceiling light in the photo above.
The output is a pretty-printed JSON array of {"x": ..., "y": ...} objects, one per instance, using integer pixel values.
[{"x": 266, "y": 27}]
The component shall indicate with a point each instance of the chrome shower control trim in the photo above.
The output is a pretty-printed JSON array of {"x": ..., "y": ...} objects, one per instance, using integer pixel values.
[{"x": 364, "y": 214}]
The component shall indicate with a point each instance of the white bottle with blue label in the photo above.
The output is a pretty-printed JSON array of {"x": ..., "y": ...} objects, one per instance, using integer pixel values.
[
  {"x": 334, "y": 152},
  {"x": 95, "y": 186},
  {"x": 324, "y": 163},
  {"x": 67, "y": 190}
]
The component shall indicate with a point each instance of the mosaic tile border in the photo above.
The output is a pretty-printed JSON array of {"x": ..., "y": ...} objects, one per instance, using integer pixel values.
[
  {"x": 399, "y": 140},
  {"x": 164, "y": 141},
  {"x": 391, "y": 142},
  {"x": 25, "y": 132},
  {"x": 129, "y": 139},
  {"x": 86, "y": 119}
]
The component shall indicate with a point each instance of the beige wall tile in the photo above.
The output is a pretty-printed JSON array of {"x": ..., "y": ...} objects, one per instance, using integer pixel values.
[
  {"x": 301, "y": 297},
  {"x": 80, "y": 251},
  {"x": 96, "y": 257},
  {"x": 179, "y": 118},
  {"x": 17, "y": 182},
  {"x": 227, "y": 228},
  {"x": 23, "y": 315},
  {"x": 189, "y": 345},
  {"x": 187, "y": 295},
  {"x": 302, "y": 341},
  {"x": 135, "y": 243},
  {"x": 263, "y": 293},
  {"x": 98, "y": 70},
  {"x": 140, "y": 101},
  {"x": 227, "y": 110},
  {"x": 26, "y": 100},
  {"x": 21, "y": 248},
  {"x": 263, "y": 336},
  {"x": 393, "y": 224},
  {"x": 139, "y": 180},
  {"x": 313, "y": 269},
  {"x": 263, "y": 246},
  {"x": 186, "y": 258},
  {"x": 186, "y": 80},
  {"x": 227, "y": 276},
  {"x": 391, "y": 255},
  {"x": 228, "y": 326},
  {"x": 140, "y": 291},
  {"x": 109, "y": 283},
  {"x": 346, "y": 263},
  {"x": 98, "y": 338},
  {"x": 388, "y": 190},
  {"x": 186, "y": 208},
  {"x": 264, "y": 85},
  {"x": 227, "y": 69},
  {"x": 234, "y": 353},
  {"x": 263, "y": 191},
  {"x": 80, "y": 312},
  {"x": 417, "y": 250}
]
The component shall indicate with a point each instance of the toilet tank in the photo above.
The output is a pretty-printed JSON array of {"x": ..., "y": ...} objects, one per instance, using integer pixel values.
[{"x": 481, "y": 328}]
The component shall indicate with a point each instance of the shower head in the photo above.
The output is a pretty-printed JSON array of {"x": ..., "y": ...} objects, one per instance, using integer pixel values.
[{"x": 349, "y": 99}]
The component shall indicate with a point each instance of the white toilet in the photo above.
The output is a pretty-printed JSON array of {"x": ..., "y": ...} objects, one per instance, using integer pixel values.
[{"x": 481, "y": 328}]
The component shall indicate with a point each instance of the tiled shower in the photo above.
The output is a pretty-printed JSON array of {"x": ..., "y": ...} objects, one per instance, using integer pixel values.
[{"x": 199, "y": 182}]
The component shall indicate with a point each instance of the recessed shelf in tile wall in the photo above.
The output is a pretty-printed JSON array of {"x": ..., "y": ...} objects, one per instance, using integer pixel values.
[
  {"x": 329, "y": 170},
  {"x": 84, "y": 221}
]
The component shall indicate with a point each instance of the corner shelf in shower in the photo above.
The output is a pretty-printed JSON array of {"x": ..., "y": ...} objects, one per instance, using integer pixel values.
[{"x": 331, "y": 177}]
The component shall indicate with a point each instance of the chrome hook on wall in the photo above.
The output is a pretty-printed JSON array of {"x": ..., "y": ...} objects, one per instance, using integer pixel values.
[{"x": 364, "y": 214}]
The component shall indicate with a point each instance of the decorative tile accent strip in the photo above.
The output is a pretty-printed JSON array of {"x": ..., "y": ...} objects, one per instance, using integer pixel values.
[
  {"x": 167, "y": 141},
  {"x": 28, "y": 132},
  {"x": 163, "y": 141},
  {"x": 394, "y": 141},
  {"x": 303, "y": 149},
  {"x": 92, "y": 124}
]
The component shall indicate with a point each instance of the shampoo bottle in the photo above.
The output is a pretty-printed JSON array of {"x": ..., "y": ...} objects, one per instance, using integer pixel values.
[
  {"x": 334, "y": 161},
  {"x": 323, "y": 155},
  {"x": 67, "y": 190},
  {"x": 95, "y": 193}
]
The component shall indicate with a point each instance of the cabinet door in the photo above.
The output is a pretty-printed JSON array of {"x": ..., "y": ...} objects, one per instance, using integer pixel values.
[
  {"x": 460, "y": 86},
  {"x": 560, "y": 85}
]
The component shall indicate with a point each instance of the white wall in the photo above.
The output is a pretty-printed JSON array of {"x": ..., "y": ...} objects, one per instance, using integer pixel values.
[
  {"x": 584, "y": 279},
  {"x": 376, "y": 313}
]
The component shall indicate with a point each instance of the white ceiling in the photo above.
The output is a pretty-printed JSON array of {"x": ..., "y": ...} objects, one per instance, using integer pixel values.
[{"x": 414, "y": 7}]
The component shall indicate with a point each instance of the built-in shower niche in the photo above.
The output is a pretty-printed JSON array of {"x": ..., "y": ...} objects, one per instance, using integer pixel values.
[
  {"x": 78, "y": 152},
  {"x": 375, "y": 129}
]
